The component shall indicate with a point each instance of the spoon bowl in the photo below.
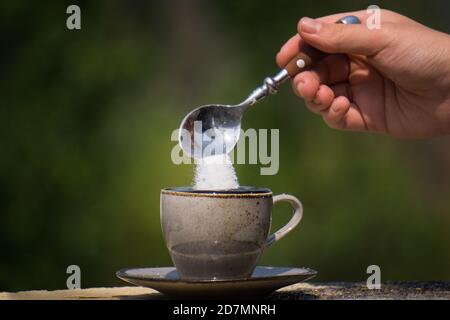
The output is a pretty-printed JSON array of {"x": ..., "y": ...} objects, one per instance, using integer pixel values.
[{"x": 211, "y": 130}]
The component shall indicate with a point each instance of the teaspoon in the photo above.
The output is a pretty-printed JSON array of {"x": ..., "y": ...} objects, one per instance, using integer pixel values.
[{"x": 215, "y": 128}]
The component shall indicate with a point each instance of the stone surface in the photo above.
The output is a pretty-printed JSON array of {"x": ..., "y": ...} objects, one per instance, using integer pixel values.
[
  {"x": 357, "y": 291},
  {"x": 300, "y": 291}
]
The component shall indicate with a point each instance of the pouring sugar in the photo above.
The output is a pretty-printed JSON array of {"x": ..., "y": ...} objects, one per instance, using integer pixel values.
[{"x": 215, "y": 173}]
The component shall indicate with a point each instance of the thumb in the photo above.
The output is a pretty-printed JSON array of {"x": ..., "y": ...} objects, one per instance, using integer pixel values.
[{"x": 342, "y": 38}]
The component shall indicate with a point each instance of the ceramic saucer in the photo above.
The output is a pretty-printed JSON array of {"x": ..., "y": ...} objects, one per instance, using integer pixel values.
[{"x": 263, "y": 281}]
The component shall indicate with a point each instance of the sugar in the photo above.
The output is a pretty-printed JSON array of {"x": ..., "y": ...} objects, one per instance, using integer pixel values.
[{"x": 215, "y": 173}]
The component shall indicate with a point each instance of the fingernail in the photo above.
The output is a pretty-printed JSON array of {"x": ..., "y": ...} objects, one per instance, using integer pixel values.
[
  {"x": 299, "y": 87},
  {"x": 316, "y": 100},
  {"x": 309, "y": 25},
  {"x": 336, "y": 109}
]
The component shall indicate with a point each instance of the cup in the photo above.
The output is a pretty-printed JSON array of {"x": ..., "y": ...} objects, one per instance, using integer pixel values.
[{"x": 220, "y": 235}]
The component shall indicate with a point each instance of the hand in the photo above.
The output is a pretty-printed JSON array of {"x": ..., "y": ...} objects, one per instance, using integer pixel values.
[{"x": 393, "y": 80}]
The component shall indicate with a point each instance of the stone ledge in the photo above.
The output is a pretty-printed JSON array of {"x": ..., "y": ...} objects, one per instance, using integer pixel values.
[{"x": 300, "y": 291}]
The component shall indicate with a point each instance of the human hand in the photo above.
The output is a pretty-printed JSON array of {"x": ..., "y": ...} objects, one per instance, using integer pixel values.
[{"x": 393, "y": 80}]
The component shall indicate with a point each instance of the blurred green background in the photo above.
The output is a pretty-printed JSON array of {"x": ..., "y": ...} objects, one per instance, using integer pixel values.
[{"x": 86, "y": 118}]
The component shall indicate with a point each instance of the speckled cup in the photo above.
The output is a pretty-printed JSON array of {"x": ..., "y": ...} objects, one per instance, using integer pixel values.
[{"x": 220, "y": 235}]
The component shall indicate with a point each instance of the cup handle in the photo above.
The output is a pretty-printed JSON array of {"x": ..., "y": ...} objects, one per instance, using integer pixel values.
[{"x": 296, "y": 217}]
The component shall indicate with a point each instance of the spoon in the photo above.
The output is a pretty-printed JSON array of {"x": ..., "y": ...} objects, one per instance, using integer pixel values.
[{"x": 214, "y": 129}]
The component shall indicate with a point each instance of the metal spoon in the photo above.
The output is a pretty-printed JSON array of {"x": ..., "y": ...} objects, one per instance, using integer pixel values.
[{"x": 214, "y": 129}]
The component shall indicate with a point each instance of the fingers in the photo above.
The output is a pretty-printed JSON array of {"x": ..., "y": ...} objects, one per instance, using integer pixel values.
[
  {"x": 342, "y": 89},
  {"x": 322, "y": 101},
  {"x": 289, "y": 50},
  {"x": 342, "y": 38},
  {"x": 325, "y": 87},
  {"x": 294, "y": 44},
  {"x": 306, "y": 85},
  {"x": 326, "y": 96},
  {"x": 335, "y": 115},
  {"x": 333, "y": 69},
  {"x": 334, "y": 104},
  {"x": 344, "y": 115}
]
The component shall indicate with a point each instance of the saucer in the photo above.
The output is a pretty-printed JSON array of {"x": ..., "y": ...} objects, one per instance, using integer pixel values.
[{"x": 263, "y": 281}]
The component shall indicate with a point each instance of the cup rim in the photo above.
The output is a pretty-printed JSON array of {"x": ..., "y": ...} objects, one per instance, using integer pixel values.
[{"x": 242, "y": 192}]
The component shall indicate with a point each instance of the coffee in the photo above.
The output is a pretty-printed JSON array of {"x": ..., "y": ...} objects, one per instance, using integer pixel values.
[{"x": 220, "y": 260}]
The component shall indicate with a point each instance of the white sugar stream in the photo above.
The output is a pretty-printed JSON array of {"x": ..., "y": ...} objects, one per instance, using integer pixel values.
[{"x": 215, "y": 173}]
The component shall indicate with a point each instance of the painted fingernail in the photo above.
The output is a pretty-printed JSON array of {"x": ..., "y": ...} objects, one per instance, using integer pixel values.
[{"x": 309, "y": 25}]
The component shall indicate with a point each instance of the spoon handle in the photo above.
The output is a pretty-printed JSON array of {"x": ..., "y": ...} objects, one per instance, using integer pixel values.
[
  {"x": 309, "y": 55},
  {"x": 305, "y": 58}
]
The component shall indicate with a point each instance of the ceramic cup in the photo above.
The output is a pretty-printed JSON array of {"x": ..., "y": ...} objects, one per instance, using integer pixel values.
[{"x": 220, "y": 235}]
